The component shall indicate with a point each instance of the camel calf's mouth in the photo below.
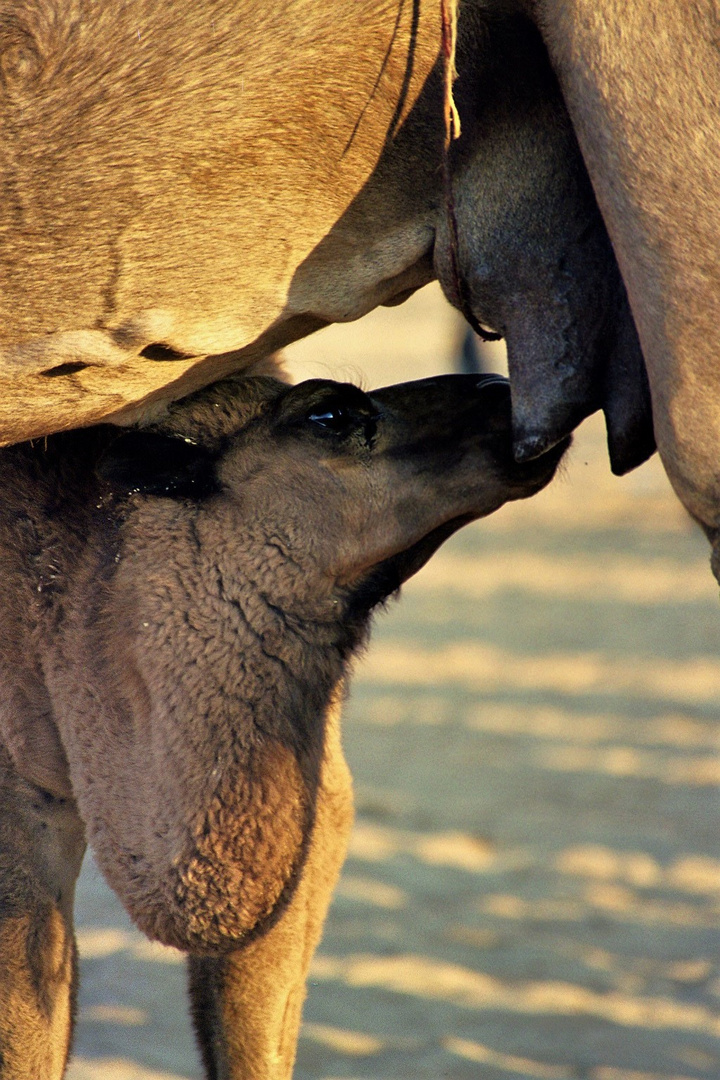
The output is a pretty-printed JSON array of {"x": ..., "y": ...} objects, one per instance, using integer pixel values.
[{"x": 443, "y": 456}]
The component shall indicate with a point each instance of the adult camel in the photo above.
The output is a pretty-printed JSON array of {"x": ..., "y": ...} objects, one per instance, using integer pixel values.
[
  {"x": 161, "y": 226},
  {"x": 187, "y": 188},
  {"x": 642, "y": 84}
]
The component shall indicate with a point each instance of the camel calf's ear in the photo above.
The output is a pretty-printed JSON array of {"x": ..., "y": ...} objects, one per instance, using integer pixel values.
[{"x": 155, "y": 464}]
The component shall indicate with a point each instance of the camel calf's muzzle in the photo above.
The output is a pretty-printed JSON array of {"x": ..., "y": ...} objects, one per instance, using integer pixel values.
[{"x": 441, "y": 455}]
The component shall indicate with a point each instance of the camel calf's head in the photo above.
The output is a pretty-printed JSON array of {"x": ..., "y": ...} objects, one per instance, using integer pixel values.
[{"x": 352, "y": 492}]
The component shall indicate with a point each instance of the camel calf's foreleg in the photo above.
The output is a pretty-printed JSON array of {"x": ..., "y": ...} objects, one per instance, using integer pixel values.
[
  {"x": 41, "y": 848},
  {"x": 247, "y": 1006}
]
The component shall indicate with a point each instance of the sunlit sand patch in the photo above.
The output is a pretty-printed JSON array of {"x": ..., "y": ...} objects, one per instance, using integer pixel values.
[
  {"x": 605, "y": 504},
  {"x": 620, "y": 900},
  {"x": 691, "y": 972},
  {"x": 689, "y": 873},
  {"x": 607, "y": 1072},
  {"x": 616, "y": 898},
  {"x": 612, "y": 578},
  {"x": 455, "y": 849},
  {"x": 369, "y": 891},
  {"x": 544, "y": 909},
  {"x": 676, "y": 730},
  {"x": 609, "y": 898},
  {"x": 627, "y": 761},
  {"x": 477, "y": 666},
  {"x": 354, "y": 1043},
  {"x": 636, "y": 867},
  {"x": 696, "y": 874},
  {"x": 559, "y": 509},
  {"x": 424, "y": 977},
  {"x": 95, "y": 943},
  {"x": 156, "y": 953},
  {"x": 671, "y": 729},
  {"x": 81, "y": 1068},
  {"x": 546, "y": 722},
  {"x": 125, "y": 1015},
  {"x": 484, "y": 1055},
  {"x": 391, "y": 709},
  {"x": 377, "y": 843}
]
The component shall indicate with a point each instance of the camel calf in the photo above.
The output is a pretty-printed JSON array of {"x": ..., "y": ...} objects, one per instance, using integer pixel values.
[{"x": 179, "y": 605}]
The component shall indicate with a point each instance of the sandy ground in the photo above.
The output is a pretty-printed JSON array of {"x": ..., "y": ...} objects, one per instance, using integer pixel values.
[{"x": 533, "y": 889}]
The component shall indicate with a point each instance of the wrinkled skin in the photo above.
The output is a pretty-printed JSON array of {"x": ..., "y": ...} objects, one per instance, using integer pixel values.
[
  {"x": 642, "y": 83},
  {"x": 180, "y": 606},
  {"x": 534, "y": 255},
  {"x": 188, "y": 189}
]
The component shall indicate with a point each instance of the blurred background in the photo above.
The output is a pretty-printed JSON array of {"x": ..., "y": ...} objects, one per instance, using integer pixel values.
[{"x": 533, "y": 887}]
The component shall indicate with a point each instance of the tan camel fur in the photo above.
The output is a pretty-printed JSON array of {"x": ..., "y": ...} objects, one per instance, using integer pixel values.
[
  {"x": 189, "y": 185},
  {"x": 181, "y": 604},
  {"x": 642, "y": 82},
  {"x": 184, "y": 602}
]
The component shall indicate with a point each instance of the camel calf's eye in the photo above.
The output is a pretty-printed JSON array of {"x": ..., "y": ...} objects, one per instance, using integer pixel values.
[
  {"x": 335, "y": 411},
  {"x": 333, "y": 418}
]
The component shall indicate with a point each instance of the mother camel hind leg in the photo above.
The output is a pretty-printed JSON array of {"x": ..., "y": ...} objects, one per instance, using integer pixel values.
[{"x": 42, "y": 842}]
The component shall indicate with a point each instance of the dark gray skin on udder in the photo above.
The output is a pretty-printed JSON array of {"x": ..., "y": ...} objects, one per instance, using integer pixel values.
[{"x": 534, "y": 259}]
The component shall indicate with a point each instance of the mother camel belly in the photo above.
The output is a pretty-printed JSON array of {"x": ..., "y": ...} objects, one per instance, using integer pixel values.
[
  {"x": 190, "y": 186},
  {"x": 166, "y": 168}
]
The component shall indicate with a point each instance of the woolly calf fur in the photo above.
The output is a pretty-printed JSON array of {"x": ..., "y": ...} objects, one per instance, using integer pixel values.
[{"x": 182, "y": 602}]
